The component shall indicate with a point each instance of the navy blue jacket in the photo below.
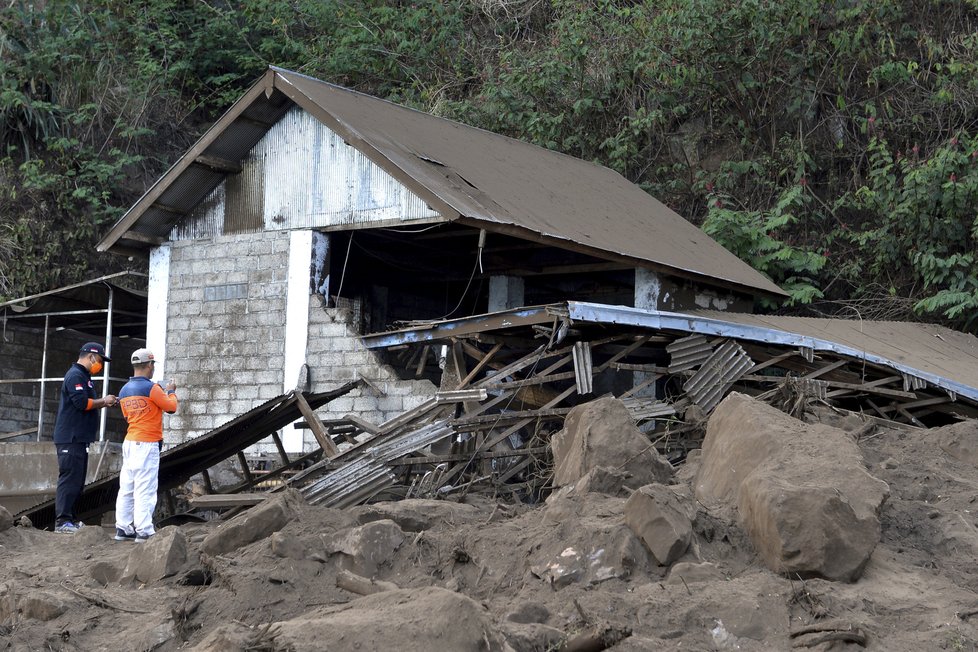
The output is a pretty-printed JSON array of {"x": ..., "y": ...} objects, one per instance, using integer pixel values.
[{"x": 75, "y": 423}]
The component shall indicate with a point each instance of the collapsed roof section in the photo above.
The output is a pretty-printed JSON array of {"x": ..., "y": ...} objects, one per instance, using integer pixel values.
[
  {"x": 898, "y": 371},
  {"x": 467, "y": 175}
]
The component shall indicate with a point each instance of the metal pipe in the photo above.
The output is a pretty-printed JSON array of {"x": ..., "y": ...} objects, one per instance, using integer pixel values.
[
  {"x": 57, "y": 313},
  {"x": 103, "y": 417},
  {"x": 53, "y": 379},
  {"x": 44, "y": 368}
]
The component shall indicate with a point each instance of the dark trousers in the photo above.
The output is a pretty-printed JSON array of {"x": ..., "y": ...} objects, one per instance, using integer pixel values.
[{"x": 72, "y": 467}]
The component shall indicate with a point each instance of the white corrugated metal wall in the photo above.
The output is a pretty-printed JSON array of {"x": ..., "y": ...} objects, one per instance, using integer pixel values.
[{"x": 302, "y": 175}]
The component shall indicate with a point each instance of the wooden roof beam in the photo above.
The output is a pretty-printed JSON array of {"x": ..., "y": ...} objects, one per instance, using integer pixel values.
[
  {"x": 136, "y": 236},
  {"x": 217, "y": 164}
]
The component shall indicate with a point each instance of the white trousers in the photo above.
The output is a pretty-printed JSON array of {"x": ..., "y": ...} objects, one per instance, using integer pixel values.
[{"x": 138, "y": 481}]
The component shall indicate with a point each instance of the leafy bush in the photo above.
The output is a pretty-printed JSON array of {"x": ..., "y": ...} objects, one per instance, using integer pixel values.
[{"x": 817, "y": 140}]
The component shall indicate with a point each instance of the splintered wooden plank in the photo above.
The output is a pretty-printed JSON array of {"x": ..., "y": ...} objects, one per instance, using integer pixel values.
[
  {"x": 316, "y": 426},
  {"x": 874, "y": 383},
  {"x": 490, "y": 442},
  {"x": 211, "y": 501},
  {"x": 18, "y": 433},
  {"x": 924, "y": 402},
  {"x": 423, "y": 361},
  {"x": 479, "y": 365},
  {"x": 244, "y": 467},
  {"x": 363, "y": 424},
  {"x": 534, "y": 380},
  {"x": 848, "y": 387},
  {"x": 515, "y": 366},
  {"x": 509, "y": 416},
  {"x": 770, "y": 362},
  {"x": 469, "y": 457},
  {"x": 280, "y": 447}
]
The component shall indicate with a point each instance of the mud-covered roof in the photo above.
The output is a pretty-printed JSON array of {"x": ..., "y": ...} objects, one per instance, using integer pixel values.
[{"x": 466, "y": 174}]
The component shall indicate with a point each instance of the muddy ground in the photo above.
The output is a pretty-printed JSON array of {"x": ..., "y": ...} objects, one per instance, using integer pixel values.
[{"x": 479, "y": 574}]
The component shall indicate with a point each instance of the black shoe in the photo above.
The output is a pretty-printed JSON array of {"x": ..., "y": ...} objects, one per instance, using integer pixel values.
[
  {"x": 141, "y": 538},
  {"x": 120, "y": 535}
]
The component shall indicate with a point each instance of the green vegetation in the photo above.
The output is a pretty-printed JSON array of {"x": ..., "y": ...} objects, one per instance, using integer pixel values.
[{"x": 830, "y": 144}]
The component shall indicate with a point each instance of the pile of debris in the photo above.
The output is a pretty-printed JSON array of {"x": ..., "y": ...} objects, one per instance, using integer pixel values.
[{"x": 830, "y": 532}]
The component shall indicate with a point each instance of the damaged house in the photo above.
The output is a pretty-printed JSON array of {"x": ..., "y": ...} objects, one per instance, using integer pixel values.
[
  {"x": 310, "y": 215},
  {"x": 388, "y": 301}
]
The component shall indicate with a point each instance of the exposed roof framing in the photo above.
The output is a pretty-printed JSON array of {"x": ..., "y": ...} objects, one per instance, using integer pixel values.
[
  {"x": 912, "y": 366},
  {"x": 468, "y": 175}
]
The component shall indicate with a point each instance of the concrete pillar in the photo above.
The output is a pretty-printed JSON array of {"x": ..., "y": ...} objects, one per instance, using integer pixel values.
[
  {"x": 158, "y": 299},
  {"x": 649, "y": 296},
  {"x": 648, "y": 289},
  {"x": 296, "y": 322},
  {"x": 505, "y": 292}
]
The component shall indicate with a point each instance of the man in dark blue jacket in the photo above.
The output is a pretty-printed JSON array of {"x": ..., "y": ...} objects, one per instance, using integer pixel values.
[{"x": 75, "y": 428}]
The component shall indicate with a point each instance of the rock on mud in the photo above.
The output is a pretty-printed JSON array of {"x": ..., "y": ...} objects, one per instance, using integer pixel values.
[
  {"x": 801, "y": 490},
  {"x": 602, "y": 433},
  {"x": 255, "y": 524}
]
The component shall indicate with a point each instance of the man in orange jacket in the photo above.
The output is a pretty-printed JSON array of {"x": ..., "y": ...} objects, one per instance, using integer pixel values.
[{"x": 143, "y": 404}]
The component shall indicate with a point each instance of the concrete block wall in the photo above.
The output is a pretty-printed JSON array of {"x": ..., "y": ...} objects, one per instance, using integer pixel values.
[
  {"x": 22, "y": 351},
  {"x": 225, "y": 337},
  {"x": 225, "y": 340},
  {"x": 335, "y": 355}
]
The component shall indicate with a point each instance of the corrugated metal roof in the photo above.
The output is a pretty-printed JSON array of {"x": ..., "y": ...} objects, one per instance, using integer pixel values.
[{"x": 484, "y": 179}]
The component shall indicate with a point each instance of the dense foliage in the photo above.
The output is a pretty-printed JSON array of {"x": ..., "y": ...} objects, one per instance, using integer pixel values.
[{"x": 830, "y": 144}]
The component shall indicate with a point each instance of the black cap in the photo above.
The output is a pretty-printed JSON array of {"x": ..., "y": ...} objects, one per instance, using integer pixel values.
[{"x": 95, "y": 347}]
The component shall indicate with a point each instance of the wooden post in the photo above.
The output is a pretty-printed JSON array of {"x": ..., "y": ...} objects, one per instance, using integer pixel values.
[
  {"x": 316, "y": 425},
  {"x": 280, "y": 447}
]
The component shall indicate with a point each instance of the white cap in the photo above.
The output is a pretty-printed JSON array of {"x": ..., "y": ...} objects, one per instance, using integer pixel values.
[{"x": 142, "y": 356}]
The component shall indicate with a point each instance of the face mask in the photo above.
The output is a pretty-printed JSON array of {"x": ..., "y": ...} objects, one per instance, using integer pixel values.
[{"x": 96, "y": 367}]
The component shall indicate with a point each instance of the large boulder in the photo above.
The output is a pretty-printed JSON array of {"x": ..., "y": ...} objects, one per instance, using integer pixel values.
[
  {"x": 6, "y": 519},
  {"x": 255, "y": 524},
  {"x": 657, "y": 516},
  {"x": 801, "y": 490},
  {"x": 603, "y": 434}
]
